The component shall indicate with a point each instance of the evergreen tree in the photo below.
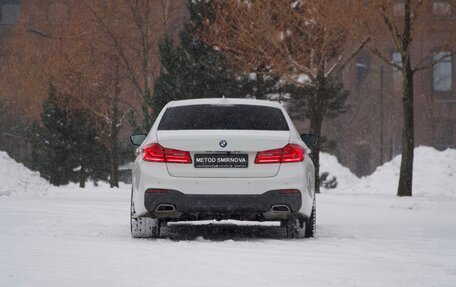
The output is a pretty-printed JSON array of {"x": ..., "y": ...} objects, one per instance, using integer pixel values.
[
  {"x": 89, "y": 156},
  {"x": 331, "y": 103},
  {"x": 49, "y": 143},
  {"x": 195, "y": 70},
  {"x": 302, "y": 98},
  {"x": 13, "y": 133},
  {"x": 66, "y": 148},
  {"x": 191, "y": 70},
  {"x": 262, "y": 87}
]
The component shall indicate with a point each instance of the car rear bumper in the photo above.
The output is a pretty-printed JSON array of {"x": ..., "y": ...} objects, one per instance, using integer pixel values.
[
  {"x": 269, "y": 205},
  {"x": 243, "y": 194}
]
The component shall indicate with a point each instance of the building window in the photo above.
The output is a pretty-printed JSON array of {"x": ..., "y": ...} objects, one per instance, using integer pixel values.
[
  {"x": 441, "y": 8},
  {"x": 442, "y": 74},
  {"x": 397, "y": 59},
  {"x": 9, "y": 14},
  {"x": 397, "y": 74}
]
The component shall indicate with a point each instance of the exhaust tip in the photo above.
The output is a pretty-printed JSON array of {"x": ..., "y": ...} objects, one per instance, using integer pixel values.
[
  {"x": 280, "y": 208},
  {"x": 165, "y": 208}
]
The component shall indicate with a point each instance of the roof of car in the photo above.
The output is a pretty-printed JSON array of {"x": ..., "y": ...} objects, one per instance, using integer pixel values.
[{"x": 224, "y": 101}]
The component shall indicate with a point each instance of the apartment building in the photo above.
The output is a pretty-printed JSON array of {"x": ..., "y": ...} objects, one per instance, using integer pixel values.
[
  {"x": 9, "y": 15},
  {"x": 370, "y": 133}
]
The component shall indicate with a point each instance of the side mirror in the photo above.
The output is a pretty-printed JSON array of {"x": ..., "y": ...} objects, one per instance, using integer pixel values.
[
  {"x": 309, "y": 139},
  {"x": 138, "y": 139}
]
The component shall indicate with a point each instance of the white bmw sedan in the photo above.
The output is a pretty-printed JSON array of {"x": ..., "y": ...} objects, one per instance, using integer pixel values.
[{"x": 219, "y": 159}]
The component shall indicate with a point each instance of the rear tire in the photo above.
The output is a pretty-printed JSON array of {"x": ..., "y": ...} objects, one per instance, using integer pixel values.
[
  {"x": 295, "y": 228},
  {"x": 143, "y": 227},
  {"x": 311, "y": 222},
  {"x": 299, "y": 228}
]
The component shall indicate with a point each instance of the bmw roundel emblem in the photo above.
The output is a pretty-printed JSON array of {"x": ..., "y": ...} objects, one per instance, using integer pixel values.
[{"x": 223, "y": 143}]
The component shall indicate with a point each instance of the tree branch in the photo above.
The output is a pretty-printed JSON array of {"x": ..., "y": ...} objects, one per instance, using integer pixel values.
[
  {"x": 118, "y": 48},
  {"x": 339, "y": 66},
  {"x": 392, "y": 28},
  {"x": 379, "y": 54},
  {"x": 421, "y": 64}
]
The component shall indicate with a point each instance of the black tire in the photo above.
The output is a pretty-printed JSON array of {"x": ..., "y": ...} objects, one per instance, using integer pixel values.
[
  {"x": 311, "y": 222},
  {"x": 295, "y": 228},
  {"x": 299, "y": 228},
  {"x": 143, "y": 227}
]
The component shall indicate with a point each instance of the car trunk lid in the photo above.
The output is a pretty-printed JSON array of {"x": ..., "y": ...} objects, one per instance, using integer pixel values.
[{"x": 228, "y": 145}]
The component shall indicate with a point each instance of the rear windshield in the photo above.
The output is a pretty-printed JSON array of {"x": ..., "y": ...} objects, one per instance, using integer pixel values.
[{"x": 223, "y": 117}]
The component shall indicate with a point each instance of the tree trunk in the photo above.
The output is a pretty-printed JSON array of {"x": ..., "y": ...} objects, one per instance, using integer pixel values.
[
  {"x": 114, "y": 178},
  {"x": 408, "y": 144},
  {"x": 114, "y": 150},
  {"x": 316, "y": 121},
  {"x": 315, "y": 127},
  {"x": 114, "y": 134},
  {"x": 82, "y": 177}
]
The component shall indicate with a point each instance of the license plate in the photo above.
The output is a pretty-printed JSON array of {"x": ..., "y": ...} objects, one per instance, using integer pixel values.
[{"x": 221, "y": 160}]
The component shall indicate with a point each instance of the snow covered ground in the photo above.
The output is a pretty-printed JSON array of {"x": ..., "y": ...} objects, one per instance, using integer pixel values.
[{"x": 365, "y": 237}]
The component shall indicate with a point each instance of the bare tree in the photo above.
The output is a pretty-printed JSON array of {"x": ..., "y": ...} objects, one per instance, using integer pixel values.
[
  {"x": 131, "y": 31},
  {"x": 102, "y": 55},
  {"x": 401, "y": 21},
  {"x": 304, "y": 42},
  {"x": 94, "y": 83}
]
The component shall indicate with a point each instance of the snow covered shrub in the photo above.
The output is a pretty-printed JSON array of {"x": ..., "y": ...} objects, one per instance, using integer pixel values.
[{"x": 328, "y": 182}]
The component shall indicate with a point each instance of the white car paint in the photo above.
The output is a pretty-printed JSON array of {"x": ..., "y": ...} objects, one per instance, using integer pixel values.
[{"x": 256, "y": 179}]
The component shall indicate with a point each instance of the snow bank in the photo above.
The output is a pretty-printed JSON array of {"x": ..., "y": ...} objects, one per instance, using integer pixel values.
[
  {"x": 434, "y": 174},
  {"x": 330, "y": 164},
  {"x": 16, "y": 178}
]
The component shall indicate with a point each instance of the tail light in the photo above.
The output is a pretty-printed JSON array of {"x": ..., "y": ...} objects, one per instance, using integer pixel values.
[
  {"x": 292, "y": 153},
  {"x": 157, "y": 153},
  {"x": 289, "y": 153}
]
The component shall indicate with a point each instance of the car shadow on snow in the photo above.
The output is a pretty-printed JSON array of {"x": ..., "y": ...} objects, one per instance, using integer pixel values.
[{"x": 221, "y": 232}]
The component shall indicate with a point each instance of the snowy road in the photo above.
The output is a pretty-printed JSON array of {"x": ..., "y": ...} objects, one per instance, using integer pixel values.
[{"x": 81, "y": 238}]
